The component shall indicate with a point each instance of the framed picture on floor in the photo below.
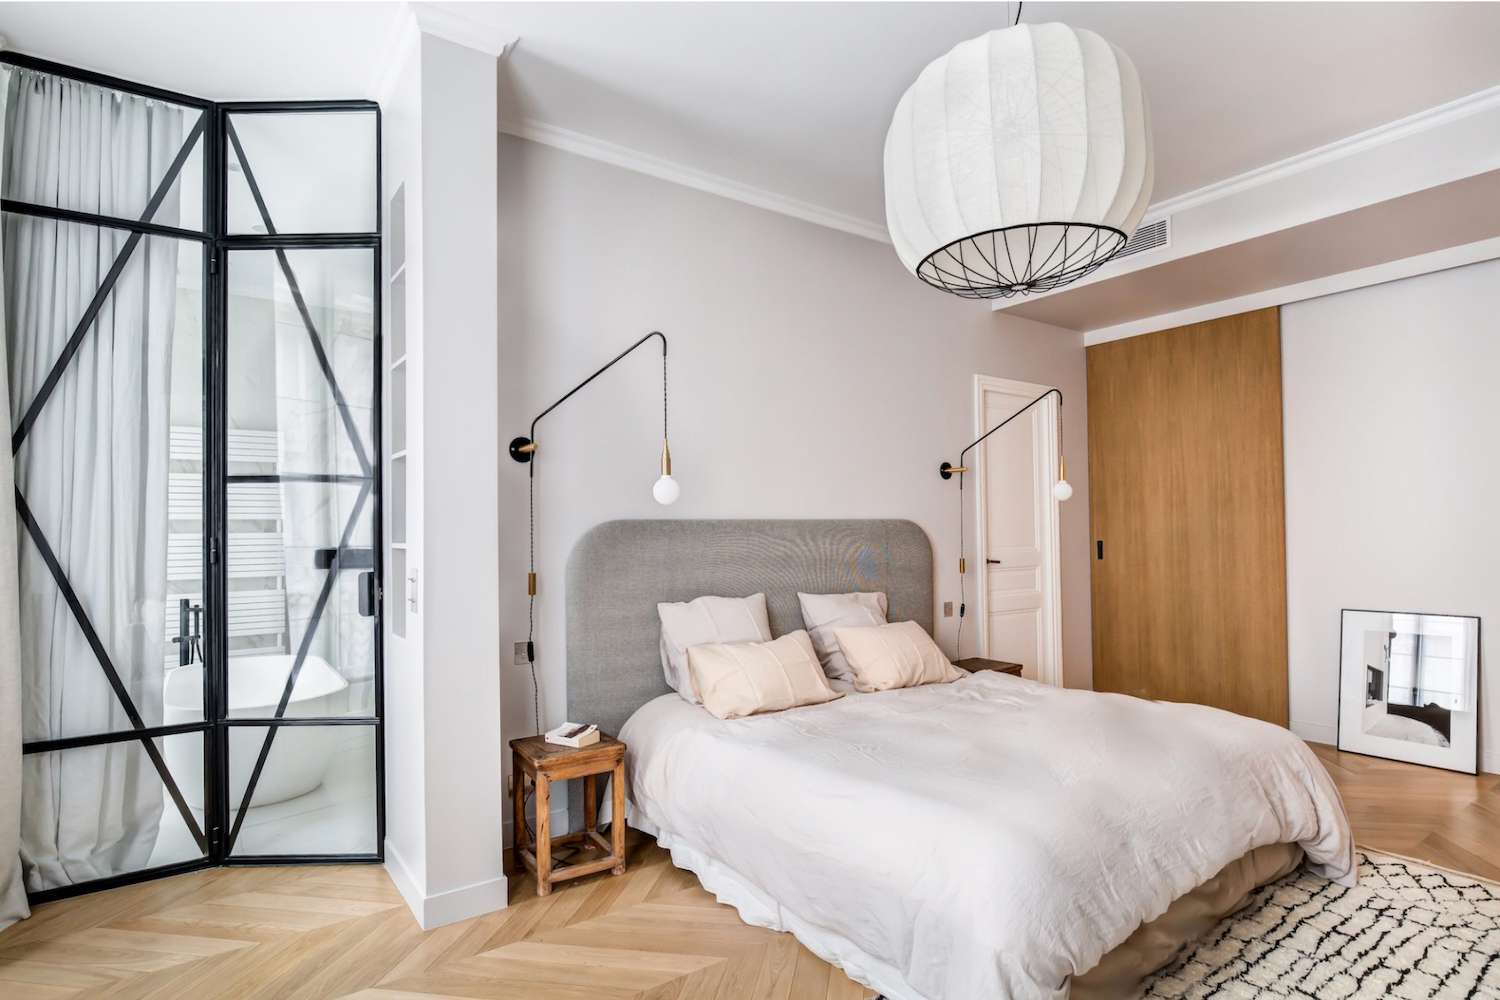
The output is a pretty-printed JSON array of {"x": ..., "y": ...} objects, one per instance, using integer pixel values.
[{"x": 1409, "y": 687}]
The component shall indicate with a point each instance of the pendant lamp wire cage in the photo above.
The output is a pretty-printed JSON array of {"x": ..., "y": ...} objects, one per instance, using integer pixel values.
[{"x": 1021, "y": 259}]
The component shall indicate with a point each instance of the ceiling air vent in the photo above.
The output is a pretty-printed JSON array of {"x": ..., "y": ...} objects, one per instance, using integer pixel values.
[{"x": 1150, "y": 236}]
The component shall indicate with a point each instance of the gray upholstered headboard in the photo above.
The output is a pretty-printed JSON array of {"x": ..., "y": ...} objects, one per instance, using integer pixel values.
[{"x": 621, "y": 569}]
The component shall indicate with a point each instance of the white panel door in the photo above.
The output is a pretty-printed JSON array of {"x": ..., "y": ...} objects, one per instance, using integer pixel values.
[{"x": 1017, "y": 523}]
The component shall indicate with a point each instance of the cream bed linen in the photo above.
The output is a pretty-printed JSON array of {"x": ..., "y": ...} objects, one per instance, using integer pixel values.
[{"x": 992, "y": 837}]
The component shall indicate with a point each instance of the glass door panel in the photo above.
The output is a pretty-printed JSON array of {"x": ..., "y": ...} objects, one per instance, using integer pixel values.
[
  {"x": 105, "y": 345},
  {"x": 301, "y": 555},
  {"x": 119, "y": 795},
  {"x": 315, "y": 794},
  {"x": 301, "y": 172},
  {"x": 154, "y": 166}
]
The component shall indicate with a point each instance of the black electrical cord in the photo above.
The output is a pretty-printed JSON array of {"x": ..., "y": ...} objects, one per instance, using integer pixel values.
[
  {"x": 536, "y": 703},
  {"x": 958, "y": 646}
]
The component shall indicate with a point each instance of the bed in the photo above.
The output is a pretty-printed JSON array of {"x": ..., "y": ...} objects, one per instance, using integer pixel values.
[{"x": 994, "y": 837}]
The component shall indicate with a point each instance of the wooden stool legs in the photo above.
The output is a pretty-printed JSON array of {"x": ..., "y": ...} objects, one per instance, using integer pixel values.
[
  {"x": 535, "y": 853},
  {"x": 617, "y": 818}
]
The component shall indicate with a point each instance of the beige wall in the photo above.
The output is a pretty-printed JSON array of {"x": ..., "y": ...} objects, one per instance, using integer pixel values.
[{"x": 810, "y": 377}]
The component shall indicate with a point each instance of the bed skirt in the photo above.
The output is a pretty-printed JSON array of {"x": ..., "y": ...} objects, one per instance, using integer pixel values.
[{"x": 1120, "y": 973}]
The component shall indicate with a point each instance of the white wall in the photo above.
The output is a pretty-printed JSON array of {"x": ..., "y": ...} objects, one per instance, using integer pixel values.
[
  {"x": 459, "y": 435},
  {"x": 810, "y": 377},
  {"x": 405, "y": 752},
  {"x": 1391, "y": 417},
  {"x": 445, "y": 791}
]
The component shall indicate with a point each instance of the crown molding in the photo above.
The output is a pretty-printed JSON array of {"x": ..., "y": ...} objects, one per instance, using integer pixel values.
[
  {"x": 411, "y": 22},
  {"x": 1359, "y": 142},
  {"x": 700, "y": 180},
  {"x": 668, "y": 170},
  {"x": 446, "y": 22}
]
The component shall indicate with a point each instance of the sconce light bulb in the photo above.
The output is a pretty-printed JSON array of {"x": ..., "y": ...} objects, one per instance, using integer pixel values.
[
  {"x": 1062, "y": 490},
  {"x": 666, "y": 491}
]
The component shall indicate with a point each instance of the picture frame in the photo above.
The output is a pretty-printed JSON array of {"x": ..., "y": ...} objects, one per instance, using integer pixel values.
[{"x": 1409, "y": 687}]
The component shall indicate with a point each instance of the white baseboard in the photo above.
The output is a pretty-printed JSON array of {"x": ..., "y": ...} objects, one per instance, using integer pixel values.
[
  {"x": 1489, "y": 762},
  {"x": 448, "y": 907},
  {"x": 405, "y": 881},
  {"x": 464, "y": 902},
  {"x": 1316, "y": 732}
]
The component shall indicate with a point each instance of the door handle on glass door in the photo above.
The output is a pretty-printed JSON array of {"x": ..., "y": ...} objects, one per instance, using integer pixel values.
[{"x": 367, "y": 595}]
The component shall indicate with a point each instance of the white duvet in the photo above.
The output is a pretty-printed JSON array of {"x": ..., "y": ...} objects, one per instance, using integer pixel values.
[{"x": 986, "y": 838}]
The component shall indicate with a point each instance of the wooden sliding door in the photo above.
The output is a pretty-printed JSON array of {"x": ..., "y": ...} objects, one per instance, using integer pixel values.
[{"x": 1187, "y": 507}]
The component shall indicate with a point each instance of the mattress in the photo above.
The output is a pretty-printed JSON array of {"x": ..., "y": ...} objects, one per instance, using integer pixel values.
[{"x": 993, "y": 837}]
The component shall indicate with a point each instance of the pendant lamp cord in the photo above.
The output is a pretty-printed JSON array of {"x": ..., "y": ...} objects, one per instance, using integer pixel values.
[{"x": 1019, "y": 5}]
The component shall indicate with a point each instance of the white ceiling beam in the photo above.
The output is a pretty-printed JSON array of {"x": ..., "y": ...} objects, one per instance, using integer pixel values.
[{"x": 1438, "y": 146}]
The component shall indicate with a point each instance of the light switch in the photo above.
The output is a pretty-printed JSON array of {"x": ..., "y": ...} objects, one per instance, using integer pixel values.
[{"x": 947, "y": 609}]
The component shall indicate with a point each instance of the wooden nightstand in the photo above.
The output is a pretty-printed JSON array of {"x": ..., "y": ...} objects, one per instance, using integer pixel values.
[
  {"x": 544, "y": 763},
  {"x": 974, "y": 664}
]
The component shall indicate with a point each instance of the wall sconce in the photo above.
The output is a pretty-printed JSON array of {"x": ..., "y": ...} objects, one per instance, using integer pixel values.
[
  {"x": 1061, "y": 490},
  {"x": 524, "y": 449},
  {"x": 666, "y": 491}
]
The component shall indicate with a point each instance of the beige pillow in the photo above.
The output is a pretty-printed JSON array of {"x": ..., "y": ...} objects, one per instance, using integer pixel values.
[
  {"x": 743, "y": 678},
  {"x": 708, "y": 619},
  {"x": 897, "y": 655},
  {"x": 822, "y": 613}
]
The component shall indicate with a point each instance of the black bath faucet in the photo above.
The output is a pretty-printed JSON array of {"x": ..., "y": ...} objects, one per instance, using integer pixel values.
[{"x": 189, "y": 638}]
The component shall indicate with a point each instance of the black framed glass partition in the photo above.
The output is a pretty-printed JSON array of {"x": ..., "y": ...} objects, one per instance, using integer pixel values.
[{"x": 192, "y": 325}]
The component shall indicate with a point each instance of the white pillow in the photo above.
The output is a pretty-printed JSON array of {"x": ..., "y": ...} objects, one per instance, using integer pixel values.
[
  {"x": 708, "y": 619},
  {"x": 736, "y": 679},
  {"x": 897, "y": 655},
  {"x": 822, "y": 613}
]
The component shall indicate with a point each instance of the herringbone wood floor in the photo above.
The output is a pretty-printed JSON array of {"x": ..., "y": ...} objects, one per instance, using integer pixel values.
[
  {"x": 342, "y": 931},
  {"x": 1442, "y": 817},
  {"x": 651, "y": 933}
]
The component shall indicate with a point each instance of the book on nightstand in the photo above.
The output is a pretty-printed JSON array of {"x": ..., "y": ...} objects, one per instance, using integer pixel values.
[{"x": 573, "y": 734}]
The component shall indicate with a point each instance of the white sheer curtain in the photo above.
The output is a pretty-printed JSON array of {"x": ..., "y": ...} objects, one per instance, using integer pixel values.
[
  {"x": 12, "y": 887},
  {"x": 94, "y": 466}
]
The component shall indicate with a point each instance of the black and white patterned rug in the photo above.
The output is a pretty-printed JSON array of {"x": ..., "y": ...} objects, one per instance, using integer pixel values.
[{"x": 1407, "y": 932}]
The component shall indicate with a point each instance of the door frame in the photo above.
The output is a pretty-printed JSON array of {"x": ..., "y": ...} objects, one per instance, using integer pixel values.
[{"x": 1045, "y": 468}]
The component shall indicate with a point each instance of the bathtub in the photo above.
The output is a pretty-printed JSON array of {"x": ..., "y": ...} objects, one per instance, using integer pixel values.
[{"x": 300, "y": 755}]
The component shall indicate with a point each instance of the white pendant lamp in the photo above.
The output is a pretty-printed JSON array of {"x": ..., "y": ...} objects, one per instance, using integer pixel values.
[{"x": 1018, "y": 162}]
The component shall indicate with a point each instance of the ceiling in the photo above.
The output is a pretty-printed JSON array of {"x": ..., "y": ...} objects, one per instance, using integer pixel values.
[{"x": 794, "y": 98}]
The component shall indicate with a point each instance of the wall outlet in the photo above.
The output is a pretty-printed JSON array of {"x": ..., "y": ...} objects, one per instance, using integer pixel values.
[
  {"x": 947, "y": 609},
  {"x": 520, "y": 659}
]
